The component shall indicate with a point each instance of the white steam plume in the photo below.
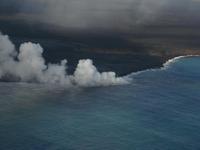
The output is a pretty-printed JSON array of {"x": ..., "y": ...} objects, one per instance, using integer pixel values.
[{"x": 29, "y": 66}]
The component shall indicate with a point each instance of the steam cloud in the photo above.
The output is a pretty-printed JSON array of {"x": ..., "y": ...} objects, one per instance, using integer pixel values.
[{"x": 28, "y": 65}]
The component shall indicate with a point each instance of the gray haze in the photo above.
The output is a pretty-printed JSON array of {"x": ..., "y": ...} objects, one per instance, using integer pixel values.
[{"x": 122, "y": 15}]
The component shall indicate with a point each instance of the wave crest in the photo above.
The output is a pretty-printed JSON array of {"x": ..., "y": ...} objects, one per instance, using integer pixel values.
[{"x": 165, "y": 66}]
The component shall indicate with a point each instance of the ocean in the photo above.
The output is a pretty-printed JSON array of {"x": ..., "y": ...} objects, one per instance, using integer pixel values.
[{"x": 158, "y": 110}]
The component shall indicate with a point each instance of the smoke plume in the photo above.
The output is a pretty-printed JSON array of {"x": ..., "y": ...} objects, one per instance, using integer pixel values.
[{"x": 28, "y": 65}]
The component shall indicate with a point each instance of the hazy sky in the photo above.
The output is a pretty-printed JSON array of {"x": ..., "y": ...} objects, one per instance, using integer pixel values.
[{"x": 103, "y": 14}]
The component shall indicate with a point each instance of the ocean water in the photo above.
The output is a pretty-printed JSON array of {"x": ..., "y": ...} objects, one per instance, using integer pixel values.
[{"x": 158, "y": 110}]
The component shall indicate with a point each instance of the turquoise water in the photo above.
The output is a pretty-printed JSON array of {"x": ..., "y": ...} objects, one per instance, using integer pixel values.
[{"x": 159, "y": 110}]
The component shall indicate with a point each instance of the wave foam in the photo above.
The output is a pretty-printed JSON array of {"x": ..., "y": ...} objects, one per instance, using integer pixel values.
[
  {"x": 165, "y": 66},
  {"x": 168, "y": 63}
]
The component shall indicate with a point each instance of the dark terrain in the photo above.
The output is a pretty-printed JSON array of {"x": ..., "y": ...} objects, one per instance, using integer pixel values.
[{"x": 148, "y": 47}]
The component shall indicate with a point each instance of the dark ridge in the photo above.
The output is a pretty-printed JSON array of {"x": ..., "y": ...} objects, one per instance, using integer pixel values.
[{"x": 123, "y": 53}]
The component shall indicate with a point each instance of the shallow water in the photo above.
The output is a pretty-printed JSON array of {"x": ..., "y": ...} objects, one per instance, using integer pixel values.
[{"x": 159, "y": 110}]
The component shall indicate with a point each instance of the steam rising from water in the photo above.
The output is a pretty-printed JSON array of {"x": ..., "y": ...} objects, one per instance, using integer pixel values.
[{"x": 29, "y": 66}]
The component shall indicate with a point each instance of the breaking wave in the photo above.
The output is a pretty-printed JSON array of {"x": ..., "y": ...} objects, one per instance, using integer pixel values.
[{"x": 165, "y": 66}]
